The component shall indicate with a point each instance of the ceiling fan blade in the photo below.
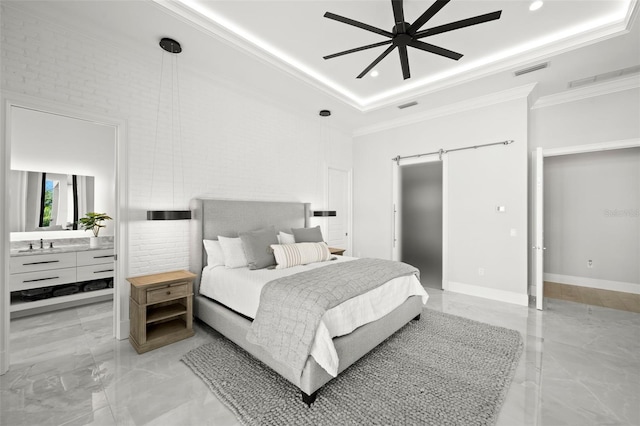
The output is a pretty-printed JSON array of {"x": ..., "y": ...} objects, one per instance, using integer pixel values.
[
  {"x": 480, "y": 19},
  {"x": 404, "y": 62},
  {"x": 428, "y": 14},
  {"x": 435, "y": 49},
  {"x": 398, "y": 11},
  {"x": 378, "y": 59},
  {"x": 357, "y": 49},
  {"x": 357, "y": 24}
]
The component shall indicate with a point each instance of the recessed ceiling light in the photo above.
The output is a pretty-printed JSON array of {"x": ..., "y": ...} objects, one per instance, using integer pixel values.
[
  {"x": 374, "y": 73},
  {"x": 535, "y": 5}
]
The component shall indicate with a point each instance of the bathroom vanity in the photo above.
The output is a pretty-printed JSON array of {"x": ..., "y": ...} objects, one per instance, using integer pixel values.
[{"x": 45, "y": 279}]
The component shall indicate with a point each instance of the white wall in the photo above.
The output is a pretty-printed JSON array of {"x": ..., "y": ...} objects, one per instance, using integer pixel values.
[
  {"x": 478, "y": 181},
  {"x": 604, "y": 118},
  {"x": 234, "y": 145},
  {"x": 57, "y": 144}
]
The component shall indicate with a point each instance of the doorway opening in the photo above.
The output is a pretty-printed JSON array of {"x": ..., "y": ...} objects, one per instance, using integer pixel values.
[
  {"x": 338, "y": 200},
  {"x": 542, "y": 253},
  {"x": 56, "y": 154},
  {"x": 420, "y": 219}
]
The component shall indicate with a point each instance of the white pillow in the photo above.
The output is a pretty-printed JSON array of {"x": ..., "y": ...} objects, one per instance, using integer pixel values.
[
  {"x": 284, "y": 238},
  {"x": 234, "y": 256},
  {"x": 215, "y": 256},
  {"x": 288, "y": 255}
]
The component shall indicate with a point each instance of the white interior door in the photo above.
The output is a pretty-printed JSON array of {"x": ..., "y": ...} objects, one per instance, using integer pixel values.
[
  {"x": 538, "y": 247},
  {"x": 338, "y": 200}
]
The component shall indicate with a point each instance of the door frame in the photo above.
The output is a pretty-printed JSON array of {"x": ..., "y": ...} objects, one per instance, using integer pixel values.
[
  {"x": 396, "y": 225},
  {"x": 11, "y": 99},
  {"x": 349, "y": 173},
  {"x": 538, "y": 173}
]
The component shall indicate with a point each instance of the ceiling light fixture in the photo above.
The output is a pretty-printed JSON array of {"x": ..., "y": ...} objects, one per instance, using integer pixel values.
[
  {"x": 374, "y": 73},
  {"x": 325, "y": 113},
  {"x": 405, "y": 34},
  {"x": 173, "y": 47},
  {"x": 535, "y": 5}
]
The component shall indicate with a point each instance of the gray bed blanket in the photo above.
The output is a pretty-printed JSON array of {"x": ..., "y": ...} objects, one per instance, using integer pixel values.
[{"x": 291, "y": 307}]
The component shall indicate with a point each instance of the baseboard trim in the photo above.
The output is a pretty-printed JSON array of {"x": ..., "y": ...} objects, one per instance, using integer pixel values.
[
  {"x": 521, "y": 299},
  {"x": 124, "y": 329},
  {"x": 593, "y": 283},
  {"x": 4, "y": 362}
]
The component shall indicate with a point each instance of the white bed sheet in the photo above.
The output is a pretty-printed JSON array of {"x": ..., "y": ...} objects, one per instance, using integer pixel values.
[{"x": 239, "y": 289}]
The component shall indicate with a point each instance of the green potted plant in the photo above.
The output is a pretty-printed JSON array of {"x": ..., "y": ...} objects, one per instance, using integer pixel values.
[{"x": 93, "y": 221}]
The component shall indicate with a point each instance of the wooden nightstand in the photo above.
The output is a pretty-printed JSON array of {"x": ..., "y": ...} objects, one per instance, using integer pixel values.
[
  {"x": 336, "y": 251},
  {"x": 160, "y": 309}
]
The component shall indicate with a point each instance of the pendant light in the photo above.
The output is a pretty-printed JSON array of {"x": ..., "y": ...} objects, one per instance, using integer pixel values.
[{"x": 173, "y": 47}]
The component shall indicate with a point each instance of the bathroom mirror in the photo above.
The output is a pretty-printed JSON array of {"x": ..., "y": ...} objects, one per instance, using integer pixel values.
[{"x": 44, "y": 201}]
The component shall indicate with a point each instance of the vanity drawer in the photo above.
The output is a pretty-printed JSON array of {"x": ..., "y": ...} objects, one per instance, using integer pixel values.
[
  {"x": 28, "y": 280},
  {"x": 94, "y": 257},
  {"x": 171, "y": 291},
  {"x": 95, "y": 272},
  {"x": 41, "y": 262}
]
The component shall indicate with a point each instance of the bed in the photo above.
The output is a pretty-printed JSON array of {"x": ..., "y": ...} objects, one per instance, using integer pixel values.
[{"x": 227, "y": 218}]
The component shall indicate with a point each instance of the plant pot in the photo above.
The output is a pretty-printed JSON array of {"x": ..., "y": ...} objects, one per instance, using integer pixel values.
[{"x": 94, "y": 242}]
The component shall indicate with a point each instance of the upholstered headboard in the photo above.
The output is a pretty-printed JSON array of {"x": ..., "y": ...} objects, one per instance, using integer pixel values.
[{"x": 212, "y": 218}]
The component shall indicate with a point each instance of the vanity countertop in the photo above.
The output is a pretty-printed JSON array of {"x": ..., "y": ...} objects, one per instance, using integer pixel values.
[
  {"x": 60, "y": 249},
  {"x": 60, "y": 245}
]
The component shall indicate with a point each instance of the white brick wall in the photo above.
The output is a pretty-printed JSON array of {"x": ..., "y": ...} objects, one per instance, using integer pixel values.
[{"x": 235, "y": 145}]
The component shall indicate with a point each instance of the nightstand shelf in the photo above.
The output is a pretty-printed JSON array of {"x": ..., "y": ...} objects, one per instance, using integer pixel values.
[
  {"x": 165, "y": 312},
  {"x": 169, "y": 330},
  {"x": 160, "y": 309}
]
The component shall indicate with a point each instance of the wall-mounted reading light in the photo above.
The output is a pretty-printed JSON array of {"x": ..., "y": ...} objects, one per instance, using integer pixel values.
[
  {"x": 168, "y": 214},
  {"x": 324, "y": 213}
]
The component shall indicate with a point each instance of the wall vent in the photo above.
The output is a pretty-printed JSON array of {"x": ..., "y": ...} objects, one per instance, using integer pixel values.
[
  {"x": 531, "y": 69},
  {"x": 604, "y": 76},
  {"x": 407, "y": 105}
]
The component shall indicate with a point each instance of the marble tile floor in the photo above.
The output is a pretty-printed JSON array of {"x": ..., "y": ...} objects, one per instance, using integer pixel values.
[{"x": 580, "y": 366}]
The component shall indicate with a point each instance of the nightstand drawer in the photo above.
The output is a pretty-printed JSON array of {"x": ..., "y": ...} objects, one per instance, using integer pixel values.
[{"x": 168, "y": 292}]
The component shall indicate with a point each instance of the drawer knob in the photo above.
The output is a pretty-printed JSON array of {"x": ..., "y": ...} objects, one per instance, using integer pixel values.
[{"x": 168, "y": 293}]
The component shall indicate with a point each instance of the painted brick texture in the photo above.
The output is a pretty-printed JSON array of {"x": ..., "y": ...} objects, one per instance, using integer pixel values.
[{"x": 232, "y": 144}]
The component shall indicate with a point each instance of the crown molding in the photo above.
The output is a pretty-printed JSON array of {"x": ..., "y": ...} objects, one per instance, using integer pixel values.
[
  {"x": 597, "y": 89},
  {"x": 503, "y": 61},
  {"x": 455, "y": 108},
  {"x": 201, "y": 22}
]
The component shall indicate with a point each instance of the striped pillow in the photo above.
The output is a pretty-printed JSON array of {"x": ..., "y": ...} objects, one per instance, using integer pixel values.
[{"x": 288, "y": 255}]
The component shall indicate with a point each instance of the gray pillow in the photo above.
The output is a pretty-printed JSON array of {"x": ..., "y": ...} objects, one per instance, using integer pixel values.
[
  {"x": 308, "y": 235},
  {"x": 257, "y": 247}
]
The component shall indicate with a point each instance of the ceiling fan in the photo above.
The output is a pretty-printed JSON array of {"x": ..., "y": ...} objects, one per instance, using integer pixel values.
[{"x": 404, "y": 34}]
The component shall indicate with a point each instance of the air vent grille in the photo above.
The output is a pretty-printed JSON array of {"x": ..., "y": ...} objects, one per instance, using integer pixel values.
[
  {"x": 604, "y": 76},
  {"x": 532, "y": 68},
  {"x": 407, "y": 105}
]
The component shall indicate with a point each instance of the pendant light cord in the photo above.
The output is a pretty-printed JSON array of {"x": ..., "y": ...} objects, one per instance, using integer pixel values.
[{"x": 155, "y": 144}]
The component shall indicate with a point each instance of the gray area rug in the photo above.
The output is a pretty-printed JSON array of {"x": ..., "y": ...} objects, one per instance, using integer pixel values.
[{"x": 441, "y": 370}]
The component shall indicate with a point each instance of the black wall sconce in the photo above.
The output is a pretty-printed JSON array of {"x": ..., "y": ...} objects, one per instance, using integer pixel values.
[
  {"x": 323, "y": 213},
  {"x": 168, "y": 214}
]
